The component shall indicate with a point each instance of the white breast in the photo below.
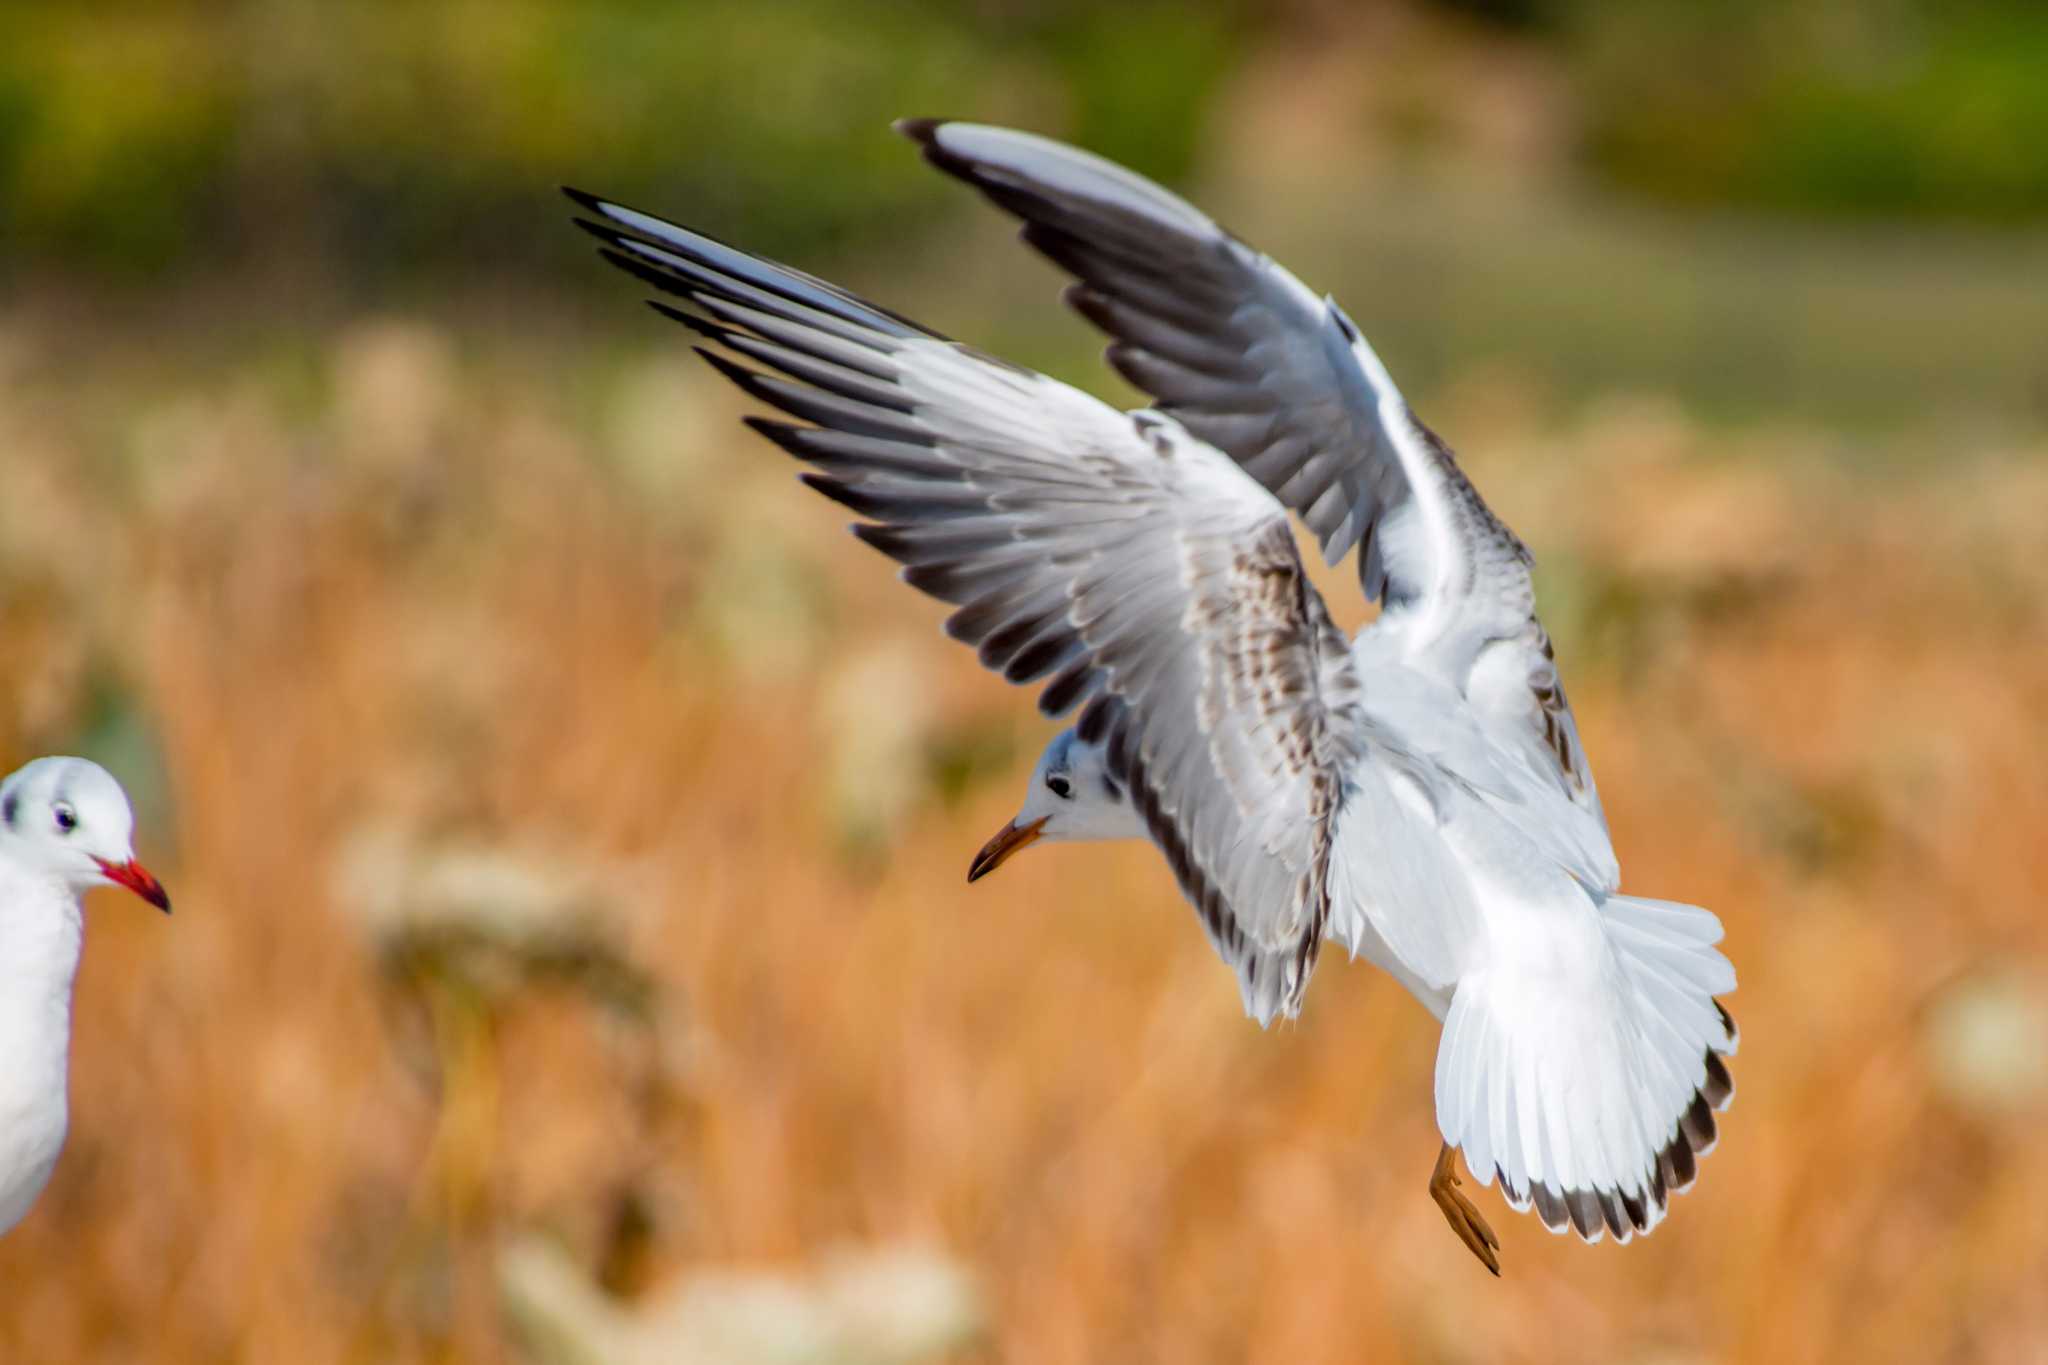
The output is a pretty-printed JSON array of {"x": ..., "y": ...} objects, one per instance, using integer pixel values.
[{"x": 40, "y": 934}]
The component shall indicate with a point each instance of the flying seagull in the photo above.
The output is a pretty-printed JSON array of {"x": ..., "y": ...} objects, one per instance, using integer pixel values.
[
  {"x": 1418, "y": 794},
  {"x": 64, "y": 828}
]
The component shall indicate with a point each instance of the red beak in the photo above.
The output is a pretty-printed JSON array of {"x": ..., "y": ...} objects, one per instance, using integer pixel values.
[{"x": 137, "y": 878}]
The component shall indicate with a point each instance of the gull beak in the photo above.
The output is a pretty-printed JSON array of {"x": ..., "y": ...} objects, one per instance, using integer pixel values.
[
  {"x": 137, "y": 878},
  {"x": 1008, "y": 840}
]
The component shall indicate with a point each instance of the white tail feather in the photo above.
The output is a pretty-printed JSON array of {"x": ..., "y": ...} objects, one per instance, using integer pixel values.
[{"x": 1591, "y": 1098}]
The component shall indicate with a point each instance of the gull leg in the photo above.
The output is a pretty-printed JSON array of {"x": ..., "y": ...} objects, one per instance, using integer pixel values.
[{"x": 1458, "y": 1211}]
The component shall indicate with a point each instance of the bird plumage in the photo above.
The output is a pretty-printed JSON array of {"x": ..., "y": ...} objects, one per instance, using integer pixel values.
[
  {"x": 39, "y": 947},
  {"x": 65, "y": 826},
  {"x": 1419, "y": 795}
]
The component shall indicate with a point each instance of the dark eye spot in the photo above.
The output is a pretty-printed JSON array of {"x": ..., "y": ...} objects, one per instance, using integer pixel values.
[
  {"x": 67, "y": 818},
  {"x": 1058, "y": 785},
  {"x": 10, "y": 809}
]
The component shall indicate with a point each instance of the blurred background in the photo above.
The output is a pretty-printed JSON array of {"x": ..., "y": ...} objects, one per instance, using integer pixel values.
[{"x": 568, "y": 822}]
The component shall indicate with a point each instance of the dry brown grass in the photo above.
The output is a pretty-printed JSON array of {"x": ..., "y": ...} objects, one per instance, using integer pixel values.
[{"x": 446, "y": 592}]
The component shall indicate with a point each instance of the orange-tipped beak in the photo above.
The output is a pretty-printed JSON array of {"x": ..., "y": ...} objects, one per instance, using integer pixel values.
[
  {"x": 1008, "y": 840},
  {"x": 137, "y": 878}
]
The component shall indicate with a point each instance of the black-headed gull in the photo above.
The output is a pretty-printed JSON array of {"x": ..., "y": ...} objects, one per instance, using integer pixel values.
[
  {"x": 1418, "y": 794},
  {"x": 65, "y": 828}
]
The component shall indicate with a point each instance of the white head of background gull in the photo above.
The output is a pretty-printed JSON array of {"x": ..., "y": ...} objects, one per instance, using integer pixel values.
[
  {"x": 65, "y": 827},
  {"x": 1418, "y": 794}
]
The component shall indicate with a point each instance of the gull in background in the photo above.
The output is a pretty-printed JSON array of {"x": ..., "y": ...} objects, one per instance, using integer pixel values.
[
  {"x": 1418, "y": 794},
  {"x": 64, "y": 828}
]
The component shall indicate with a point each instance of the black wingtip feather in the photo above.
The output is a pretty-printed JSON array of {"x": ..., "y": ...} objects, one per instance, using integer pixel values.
[
  {"x": 701, "y": 326},
  {"x": 746, "y": 380},
  {"x": 1042, "y": 656},
  {"x": 1095, "y": 718},
  {"x": 1076, "y": 681},
  {"x": 849, "y": 495},
  {"x": 1090, "y": 304},
  {"x": 887, "y": 539},
  {"x": 647, "y": 272},
  {"x": 785, "y": 434},
  {"x": 676, "y": 237},
  {"x": 699, "y": 263},
  {"x": 604, "y": 232},
  {"x": 923, "y": 131}
]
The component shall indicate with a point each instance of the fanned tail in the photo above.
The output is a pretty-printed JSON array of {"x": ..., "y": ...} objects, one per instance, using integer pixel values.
[{"x": 1594, "y": 1106}]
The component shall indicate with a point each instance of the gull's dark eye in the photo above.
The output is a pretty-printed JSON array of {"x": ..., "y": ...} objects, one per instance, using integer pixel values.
[
  {"x": 1058, "y": 785},
  {"x": 67, "y": 818}
]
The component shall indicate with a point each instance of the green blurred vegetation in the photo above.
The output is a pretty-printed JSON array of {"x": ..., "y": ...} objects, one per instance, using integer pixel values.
[
  {"x": 1904, "y": 108},
  {"x": 392, "y": 136},
  {"x": 389, "y": 138},
  {"x": 1829, "y": 207}
]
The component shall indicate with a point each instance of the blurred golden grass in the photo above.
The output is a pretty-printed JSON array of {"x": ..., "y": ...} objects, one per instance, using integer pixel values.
[{"x": 459, "y": 591}]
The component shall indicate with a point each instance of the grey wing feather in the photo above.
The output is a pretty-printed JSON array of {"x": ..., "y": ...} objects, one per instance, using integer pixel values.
[
  {"x": 1229, "y": 343},
  {"x": 1131, "y": 570},
  {"x": 1253, "y": 362}
]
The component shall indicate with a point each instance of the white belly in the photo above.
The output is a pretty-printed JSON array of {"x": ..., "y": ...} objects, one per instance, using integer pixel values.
[{"x": 31, "y": 1136}]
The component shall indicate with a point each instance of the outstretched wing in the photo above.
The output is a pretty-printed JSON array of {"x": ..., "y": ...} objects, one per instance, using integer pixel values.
[
  {"x": 1252, "y": 362},
  {"x": 1129, "y": 567}
]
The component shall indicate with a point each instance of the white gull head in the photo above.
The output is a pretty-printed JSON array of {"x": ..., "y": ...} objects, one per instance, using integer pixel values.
[
  {"x": 67, "y": 820},
  {"x": 1073, "y": 796}
]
